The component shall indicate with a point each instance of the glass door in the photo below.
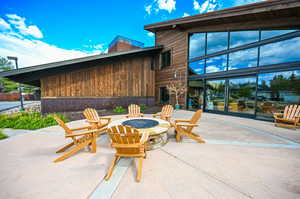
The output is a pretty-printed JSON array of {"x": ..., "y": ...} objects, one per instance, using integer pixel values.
[
  {"x": 215, "y": 95},
  {"x": 241, "y": 95}
]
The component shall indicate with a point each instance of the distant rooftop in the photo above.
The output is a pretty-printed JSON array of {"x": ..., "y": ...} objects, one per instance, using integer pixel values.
[{"x": 120, "y": 38}]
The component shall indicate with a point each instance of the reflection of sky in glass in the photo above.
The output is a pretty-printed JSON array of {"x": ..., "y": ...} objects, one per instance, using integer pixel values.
[
  {"x": 215, "y": 64},
  {"x": 197, "y": 45},
  {"x": 243, "y": 59},
  {"x": 243, "y": 81},
  {"x": 197, "y": 67},
  {"x": 217, "y": 41},
  {"x": 280, "y": 52},
  {"x": 266, "y": 34},
  {"x": 243, "y": 37},
  {"x": 267, "y": 77}
]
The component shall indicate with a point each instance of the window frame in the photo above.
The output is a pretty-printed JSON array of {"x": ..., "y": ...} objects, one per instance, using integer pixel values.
[{"x": 161, "y": 67}]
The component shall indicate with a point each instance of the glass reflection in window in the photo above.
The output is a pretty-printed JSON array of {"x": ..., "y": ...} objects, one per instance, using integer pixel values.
[
  {"x": 195, "y": 93},
  {"x": 267, "y": 34},
  {"x": 216, "y": 64},
  {"x": 217, "y": 41},
  {"x": 197, "y": 67},
  {"x": 243, "y": 37},
  {"x": 280, "y": 52},
  {"x": 276, "y": 90},
  {"x": 215, "y": 95},
  {"x": 197, "y": 45},
  {"x": 243, "y": 59}
]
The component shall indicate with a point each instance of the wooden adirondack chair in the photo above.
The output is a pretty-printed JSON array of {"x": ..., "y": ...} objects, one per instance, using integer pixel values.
[
  {"x": 185, "y": 127},
  {"x": 166, "y": 112},
  {"x": 79, "y": 140},
  {"x": 95, "y": 121},
  {"x": 290, "y": 118},
  {"x": 128, "y": 143},
  {"x": 134, "y": 111}
]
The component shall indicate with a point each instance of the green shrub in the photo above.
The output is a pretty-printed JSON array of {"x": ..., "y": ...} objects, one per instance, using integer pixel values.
[
  {"x": 2, "y": 135},
  {"x": 119, "y": 109},
  {"x": 28, "y": 120},
  {"x": 143, "y": 107}
]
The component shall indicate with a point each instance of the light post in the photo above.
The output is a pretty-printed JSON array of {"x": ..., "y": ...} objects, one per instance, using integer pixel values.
[{"x": 20, "y": 86}]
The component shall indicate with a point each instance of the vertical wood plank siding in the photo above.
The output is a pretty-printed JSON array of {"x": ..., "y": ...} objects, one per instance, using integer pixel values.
[
  {"x": 125, "y": 78},
  {"x": 177, "y": 42}
]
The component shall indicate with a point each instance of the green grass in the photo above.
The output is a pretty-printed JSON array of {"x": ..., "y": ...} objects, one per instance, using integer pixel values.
[
  {"x": 2, "y": 135},
  {"x": 28, "y": 120}
]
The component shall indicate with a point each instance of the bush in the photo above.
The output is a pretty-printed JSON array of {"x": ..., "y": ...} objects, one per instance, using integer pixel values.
[
  {"x": 143, "y": 107},
  {"x": 2, "y": 135},
  {"x": 27, "y": 120},
  {"x": 119, "y": 109}
]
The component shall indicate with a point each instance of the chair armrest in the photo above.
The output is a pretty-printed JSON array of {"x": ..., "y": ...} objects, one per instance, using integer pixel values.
[
  {"x": 83, "y": 133},
  {"x": 156, "y": 114},
  {"x": 144, "y": 138},
  {"x": 81, "y": 128},
  {"x": 188, "y": 125},
  {"x": 92, "y": 121},
  {"x": 106, "y": 118},
  {"x": 182, "y": 121},
  {"x": 277, "y": 115}
]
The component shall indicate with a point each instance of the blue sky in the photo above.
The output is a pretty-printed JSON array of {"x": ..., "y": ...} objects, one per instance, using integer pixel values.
[{"x": 52, "y": 30}]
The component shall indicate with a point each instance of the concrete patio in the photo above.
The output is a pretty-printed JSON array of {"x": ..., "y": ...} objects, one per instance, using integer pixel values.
[{"x": 243, "y": 158}]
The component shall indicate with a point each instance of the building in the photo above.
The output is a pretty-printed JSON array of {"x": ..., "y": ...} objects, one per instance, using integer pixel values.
[{"x": 242, "y": 61}]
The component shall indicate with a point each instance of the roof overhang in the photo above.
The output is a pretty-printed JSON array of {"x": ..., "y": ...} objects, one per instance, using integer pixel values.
[
  {"x": 255, "y": 11},
  {"x": 32, "y": 75}
]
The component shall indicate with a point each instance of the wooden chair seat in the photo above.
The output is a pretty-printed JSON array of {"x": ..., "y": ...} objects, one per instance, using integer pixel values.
[
  {"x": 80, "y": 139},
  {"x": 166, "y": 113},
  {"x": 185, "y": 127},
  {"x": 134, "y": 111},
  {"x": 127, "y": 143},
  {"x": 290, "y": 118}
]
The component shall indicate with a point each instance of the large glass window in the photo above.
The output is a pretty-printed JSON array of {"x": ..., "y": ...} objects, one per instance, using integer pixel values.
[
  {"x": 197, "y": 67},
  {"x": 243, "y": 37},
  {"x": 216, "y": 64},
  {"x": 197, "y": 45},
  {"x": 276, "y": 90},
  {"x": 195, "y": 94},
  {"x": 280, "y": 52},
  {"x": 217, "y": 41},
  {"x": 242, "y": 95},
  {"x": 215, "y": 95},
  {"x": 267, "y": 34},
  {"x": 243, "y": 59}
]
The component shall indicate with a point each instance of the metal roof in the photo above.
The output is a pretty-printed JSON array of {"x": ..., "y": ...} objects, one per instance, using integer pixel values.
[
  {"x": 130, "y": 41},
  {"x": 29, "y": 75}
]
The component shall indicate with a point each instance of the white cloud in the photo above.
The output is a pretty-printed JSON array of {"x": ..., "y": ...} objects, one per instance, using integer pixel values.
[
  {"x": 186, "y": 14},
  {"x": 207, "y": 6},
  {"x": 168, "y": 5},
  {"x": 4, "y": 25},
  {"x": 150, "y": 34},
  {"x": 148, "y": 9},
  {"x": 157, "y": 5},
  {"x": 19, "y": 23},
  {"x": 18, "y": 41}
]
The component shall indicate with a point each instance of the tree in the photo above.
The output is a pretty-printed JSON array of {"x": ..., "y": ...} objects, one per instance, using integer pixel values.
[
  {"x": 177, "y": 89},
  {"x": 5, "y": 64}
]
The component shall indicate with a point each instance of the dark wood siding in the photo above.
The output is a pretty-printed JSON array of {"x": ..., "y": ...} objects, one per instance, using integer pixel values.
[
  {"x": 176, "y": 41},
  {"x": 131, "y": 77}
]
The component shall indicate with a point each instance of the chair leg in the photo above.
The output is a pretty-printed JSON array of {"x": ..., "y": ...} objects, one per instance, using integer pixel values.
[
  {"x": 94, "y": 144},
  {"x": 139, "y": 170},
  {"x": 111, "y": 168},
  {"x": 68, "y": 154},
  {"x": 195, "y": 137},
  {"x": 65, "y": 147}
]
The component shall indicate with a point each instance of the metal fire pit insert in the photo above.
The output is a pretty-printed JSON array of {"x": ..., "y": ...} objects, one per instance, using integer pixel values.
[{"x": 141, "y": 123}]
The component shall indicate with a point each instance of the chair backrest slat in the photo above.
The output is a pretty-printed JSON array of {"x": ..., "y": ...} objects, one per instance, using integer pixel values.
[
  {"x": 124, "y": 135},
  {"x": 134, "y": 110},
  {"x": 167, "y": 110},
  {"x": 291, "y": 111},
  {"x": 195, "y": 119},
  {"x": 91, "y": 114}
]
